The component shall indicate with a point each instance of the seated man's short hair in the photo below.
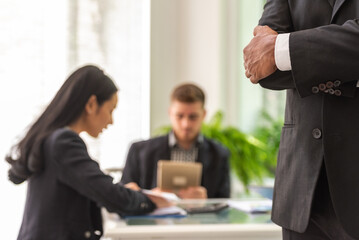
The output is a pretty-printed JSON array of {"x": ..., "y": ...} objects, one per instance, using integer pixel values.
[{"x": 188, "y": 93}]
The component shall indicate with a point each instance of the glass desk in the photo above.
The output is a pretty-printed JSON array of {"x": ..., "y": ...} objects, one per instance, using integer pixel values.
[{"x": 228, "y": 224}]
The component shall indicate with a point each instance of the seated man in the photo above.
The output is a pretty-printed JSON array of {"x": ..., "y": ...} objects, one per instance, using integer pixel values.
[{"x": 183, "y": 143}]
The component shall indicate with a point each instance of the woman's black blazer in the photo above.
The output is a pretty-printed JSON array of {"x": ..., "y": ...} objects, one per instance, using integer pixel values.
[{"x": 64, "y": 200}]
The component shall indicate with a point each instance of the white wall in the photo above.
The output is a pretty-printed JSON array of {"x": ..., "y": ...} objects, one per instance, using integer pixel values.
[
  {"x": 201, "y": 41},
  {"x": 185, "y": 47},
  {"x": 250, "y": 95}
]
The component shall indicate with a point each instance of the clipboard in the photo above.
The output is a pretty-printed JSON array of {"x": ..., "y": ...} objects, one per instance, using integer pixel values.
[{"x": 174, "y": 175}]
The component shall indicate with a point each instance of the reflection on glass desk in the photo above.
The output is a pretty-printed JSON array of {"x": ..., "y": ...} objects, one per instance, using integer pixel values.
[{"x": 228, "y": 223}]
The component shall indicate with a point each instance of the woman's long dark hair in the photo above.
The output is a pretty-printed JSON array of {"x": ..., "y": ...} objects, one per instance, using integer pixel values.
[{"x": 26, "y": 157}]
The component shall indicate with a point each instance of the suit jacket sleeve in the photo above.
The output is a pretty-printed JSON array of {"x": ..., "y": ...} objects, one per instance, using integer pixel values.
[
  {"x": 131, "y": 170},
  {"x": 224, "y": 190},
  {"x": 77, "y": 170},
  {"x": 276, "y": 15},
  {"x": 333, "y": 53}
]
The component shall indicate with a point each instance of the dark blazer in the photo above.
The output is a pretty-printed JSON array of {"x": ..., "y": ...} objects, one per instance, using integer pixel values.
[
  {"x": 319, "y": 124},
  {"x": 141, "y": 165},
  {"x": 63, "y": 202}
]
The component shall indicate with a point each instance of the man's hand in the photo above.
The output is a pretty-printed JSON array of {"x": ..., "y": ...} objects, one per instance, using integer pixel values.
[
  {"x": 193, "y": 192},
  {"x": 187, "y": 193},
  {"x": 259, "y": 54}
]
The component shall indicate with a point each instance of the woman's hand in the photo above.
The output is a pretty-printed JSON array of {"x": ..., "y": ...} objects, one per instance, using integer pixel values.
[{"x": 159, "y": 201}]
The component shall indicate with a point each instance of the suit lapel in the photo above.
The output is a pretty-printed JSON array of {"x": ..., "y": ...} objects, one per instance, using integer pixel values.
[
  {"x": 331, "y": 2},
  {"x": 337, "y": 5},
  {"x": 164, "y": 152}
]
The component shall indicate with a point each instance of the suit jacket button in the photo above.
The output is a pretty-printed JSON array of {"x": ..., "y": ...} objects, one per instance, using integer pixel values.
[
  {"x": 329, "y": 84},
  {"x": 317, "y": 133},
  {"x": 315, "y": 89},
  {"x": 331, "y": 91},
  {"x": 322, "y": 87},
  {"x": 87, "y": 234},
  {"x": 337, "y": 93},
  {"x": 336, "y": 83}
]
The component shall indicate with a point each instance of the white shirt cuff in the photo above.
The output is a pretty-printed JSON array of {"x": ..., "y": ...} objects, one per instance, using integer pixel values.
[{"x": 281, "y": 52}]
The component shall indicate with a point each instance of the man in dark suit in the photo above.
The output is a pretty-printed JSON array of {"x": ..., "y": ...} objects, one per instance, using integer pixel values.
[
  {"x": 183, "y": 143},
  {"x": 317, "y": 56}
]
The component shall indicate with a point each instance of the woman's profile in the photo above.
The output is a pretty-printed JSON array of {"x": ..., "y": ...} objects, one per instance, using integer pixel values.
[{"x": 66, "y": 188}]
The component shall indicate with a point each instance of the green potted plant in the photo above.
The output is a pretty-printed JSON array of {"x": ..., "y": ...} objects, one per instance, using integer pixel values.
[{"x": 268, "y": 131}]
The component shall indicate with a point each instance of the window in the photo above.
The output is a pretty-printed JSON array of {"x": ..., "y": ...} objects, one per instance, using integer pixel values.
[{"x": 44, "y": 42}]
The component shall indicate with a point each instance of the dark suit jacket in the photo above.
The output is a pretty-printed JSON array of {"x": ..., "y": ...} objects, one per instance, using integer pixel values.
[
  {"x": 63, "y": 202},
  {"x": 141, "y": 165},
  {"x": 324, "y": 48}
]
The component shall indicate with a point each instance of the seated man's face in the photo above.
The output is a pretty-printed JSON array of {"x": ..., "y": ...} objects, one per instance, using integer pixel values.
[{"x": 186, "y": 119}]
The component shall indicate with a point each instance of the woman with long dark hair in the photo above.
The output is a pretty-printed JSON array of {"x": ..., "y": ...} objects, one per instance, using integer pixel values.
[{"x": 66, "y": 188}]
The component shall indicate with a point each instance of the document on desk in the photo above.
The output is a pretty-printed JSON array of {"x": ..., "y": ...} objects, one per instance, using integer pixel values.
[
  {"x": 171, "y": 197},
  {"x": 252, "y": 206},
  {"x": 172, "y": 211}
]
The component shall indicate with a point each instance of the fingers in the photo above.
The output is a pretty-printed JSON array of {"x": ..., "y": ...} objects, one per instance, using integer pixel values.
[
  {"x": 246, "y": 58},
  {"x": 193, "y": 193},
  {"x": 254, "y": 79},
  {"x": 248, "y": 75}
]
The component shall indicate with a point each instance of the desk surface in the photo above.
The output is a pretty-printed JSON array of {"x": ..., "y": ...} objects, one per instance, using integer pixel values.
[{"x": 229, "y": 223}]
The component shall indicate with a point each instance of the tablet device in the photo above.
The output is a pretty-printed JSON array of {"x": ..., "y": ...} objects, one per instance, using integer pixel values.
[
  {"x": 175, "y": 175},
  {"x": 209, "y": 208}
]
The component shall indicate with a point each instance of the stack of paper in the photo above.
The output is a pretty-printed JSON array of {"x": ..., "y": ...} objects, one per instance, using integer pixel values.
[
  {"x": 171, "y": 197},
  {"x": 168, "y": 211},
  {"x": 252, "y": 206},
  {"x": 172, "y": 211}
]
